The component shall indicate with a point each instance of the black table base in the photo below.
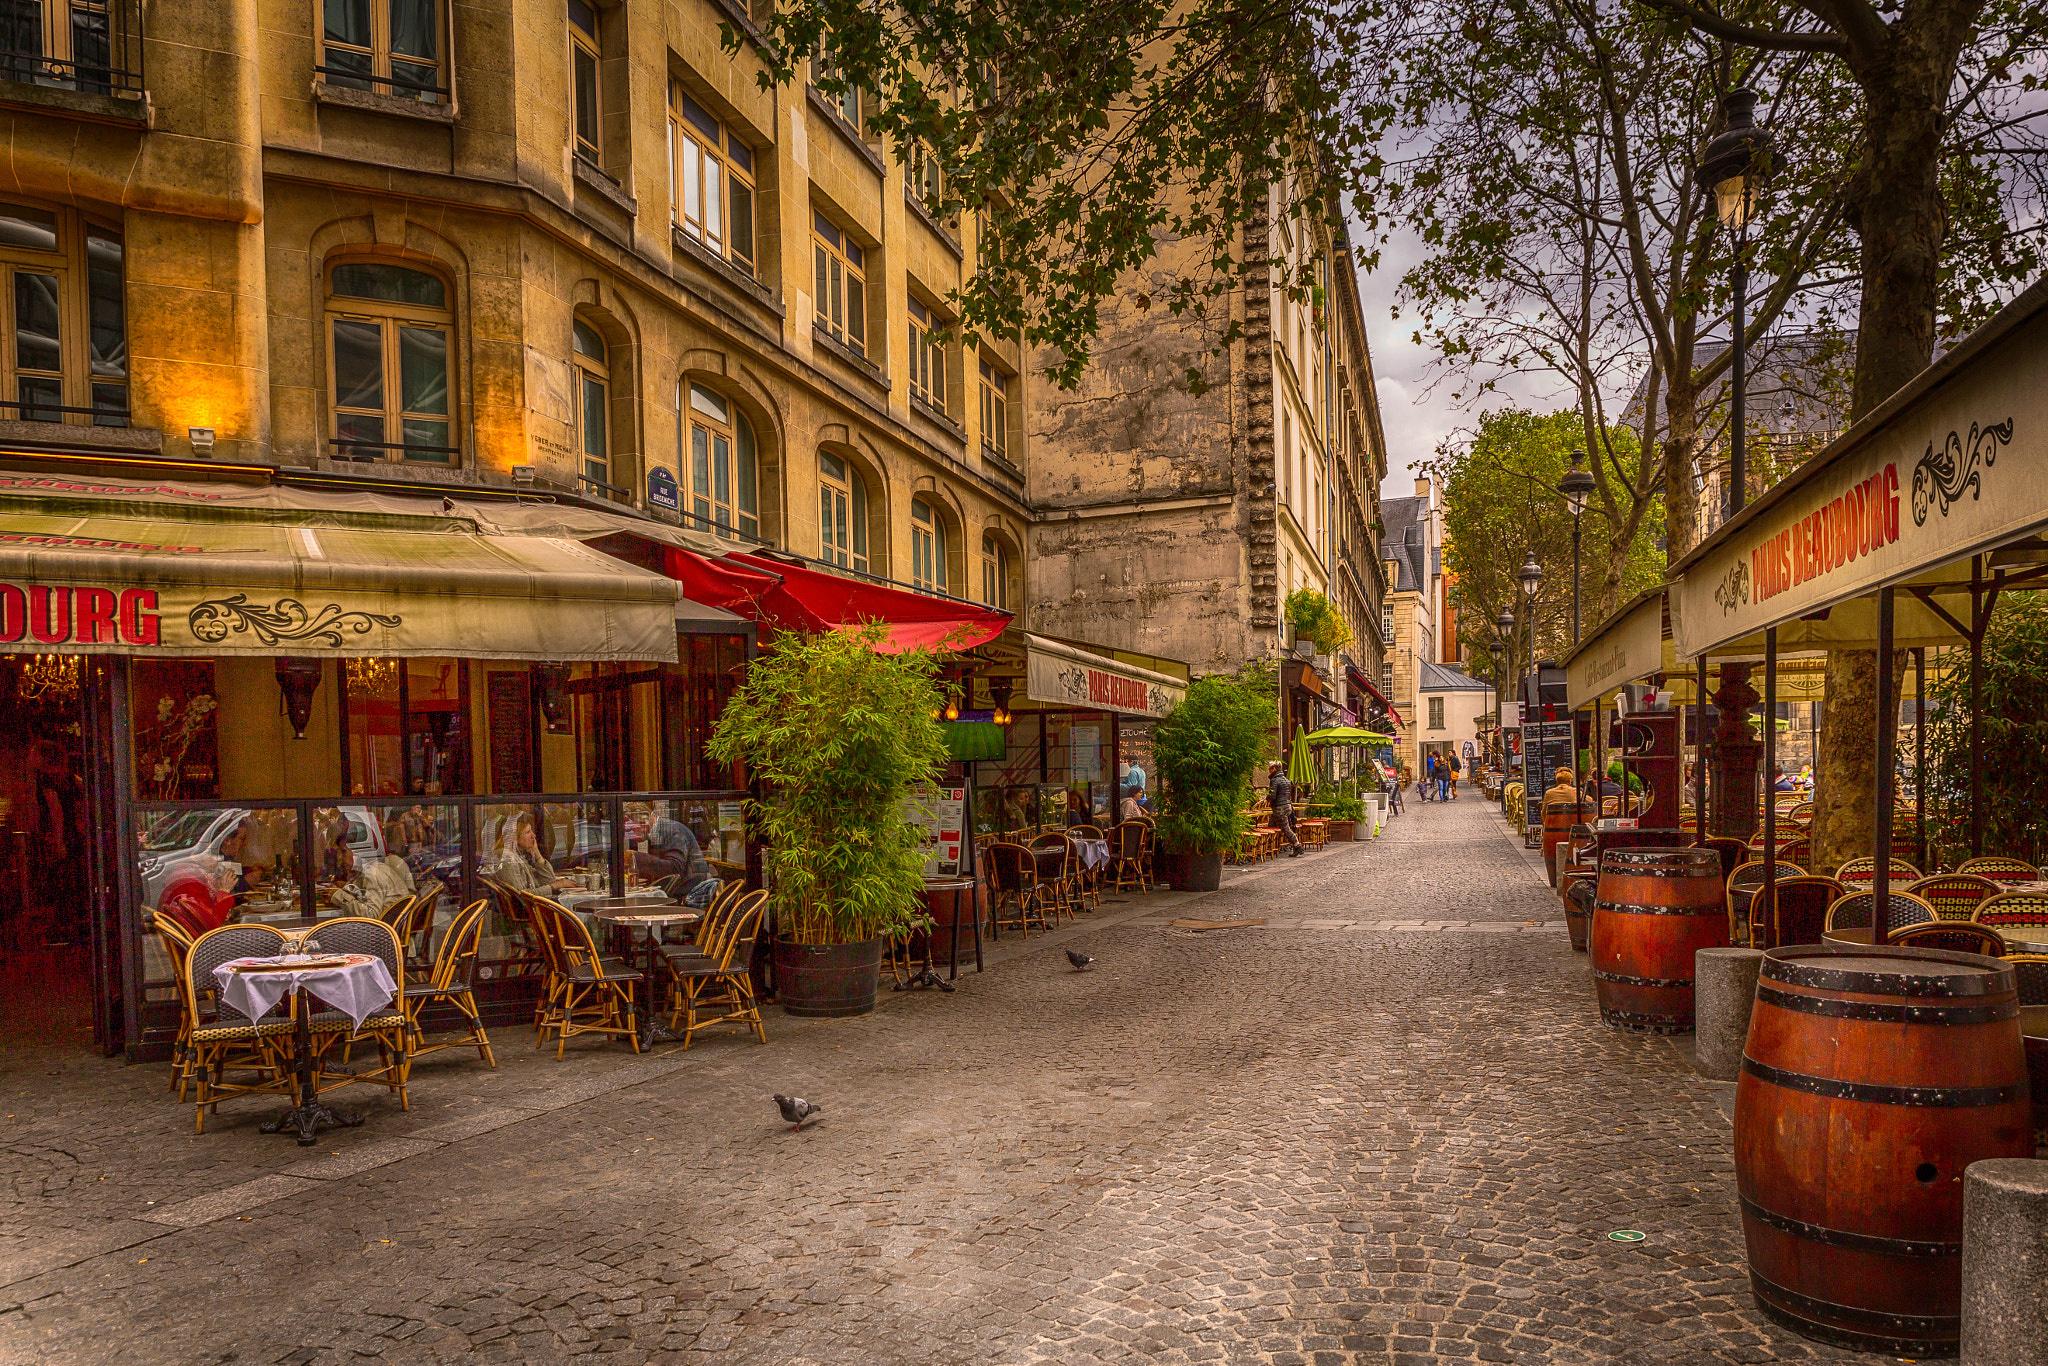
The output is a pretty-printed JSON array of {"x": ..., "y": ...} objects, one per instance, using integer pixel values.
[{"x": 309, "y": 1114}]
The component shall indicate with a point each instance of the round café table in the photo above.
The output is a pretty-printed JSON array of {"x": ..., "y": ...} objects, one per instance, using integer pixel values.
[
  {"x": 357, "y": 984},
  {"x": 2018, "y": 938},
  {"x": 624, "y": 914}
]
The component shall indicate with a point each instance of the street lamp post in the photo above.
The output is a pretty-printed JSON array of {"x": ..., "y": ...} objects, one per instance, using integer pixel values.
[
  {"x": 1505, "y": 623},
  {"x": 1576, "y": 486},
  {"x": 1532, "y": 775},
  {"x": 1730, "y": 167}
]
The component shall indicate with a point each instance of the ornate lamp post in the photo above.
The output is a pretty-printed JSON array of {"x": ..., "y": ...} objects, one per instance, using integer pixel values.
[
  {"x": 1504, "y": 670},
  {"x": 1731, "y": 165},
  {"x": 1576, "y": 486},
  {"x": 1532, "y": 579}
]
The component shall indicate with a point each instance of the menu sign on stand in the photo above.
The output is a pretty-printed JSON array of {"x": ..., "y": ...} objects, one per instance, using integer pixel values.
[
  {"x": 511, "y": 722},
  {"x": 941, "y": 813},
  {"x": 1546, "y": 748}
]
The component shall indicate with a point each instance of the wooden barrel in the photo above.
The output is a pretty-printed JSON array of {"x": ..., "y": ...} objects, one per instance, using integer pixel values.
[
  {"x": 1558, "y": 820},
  {"x": 1655, "y": 908},
  {"x": 1577, "y": 886},
  {"x": 1872, "y": 1077}
]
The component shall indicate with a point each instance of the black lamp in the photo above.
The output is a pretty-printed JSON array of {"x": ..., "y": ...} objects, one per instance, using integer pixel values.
[{"x": 298, "y": 679}]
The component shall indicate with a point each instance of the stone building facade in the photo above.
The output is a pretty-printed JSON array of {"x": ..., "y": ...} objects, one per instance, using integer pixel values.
[
  {"x": 1176, "y": 521},
  {"x": 1415, "y": 595},
  {"x": 576, "y": 248}
]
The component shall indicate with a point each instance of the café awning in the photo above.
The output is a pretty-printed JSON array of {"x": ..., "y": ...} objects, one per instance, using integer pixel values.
[
  {"x": 1627, "y": 646},
  {"x": 1358, "y": 680},
  {"x": 1063, "y": 674},
  {"x": 111, "y": 566},
  {"x": 795, "y": 597}
]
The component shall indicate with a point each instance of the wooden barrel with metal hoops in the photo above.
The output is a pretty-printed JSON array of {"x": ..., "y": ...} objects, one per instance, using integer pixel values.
[
  {"x": 1655, "y": 908},
  {"x": 1558, "y": 820},
  {"x": 1872, "y": 1077},
  {"x": 1577, "y": 886}
]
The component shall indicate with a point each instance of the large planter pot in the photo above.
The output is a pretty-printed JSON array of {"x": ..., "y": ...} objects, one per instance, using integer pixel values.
[
  {"x": 1342, "y": 830},
  {"x": 1192, "y": 872},
  {"x": 827, "y": 979}
]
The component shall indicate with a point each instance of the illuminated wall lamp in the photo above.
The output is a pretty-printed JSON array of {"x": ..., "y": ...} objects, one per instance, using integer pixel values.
[{"x": 201, "y": 439}]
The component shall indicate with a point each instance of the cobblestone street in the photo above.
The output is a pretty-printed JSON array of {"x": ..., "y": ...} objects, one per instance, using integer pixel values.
[{"x": 1388, "y": 1125}]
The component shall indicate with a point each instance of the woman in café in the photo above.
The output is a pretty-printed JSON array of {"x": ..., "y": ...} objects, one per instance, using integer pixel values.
[{"x": 521, "y": 864}]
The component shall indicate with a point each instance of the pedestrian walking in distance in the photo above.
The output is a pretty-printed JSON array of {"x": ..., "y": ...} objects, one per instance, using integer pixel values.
[
  {"x": 1280, "y": 796},
  {"x": 1428, "y": 784},
  {"x": 1451, "y": 760}
]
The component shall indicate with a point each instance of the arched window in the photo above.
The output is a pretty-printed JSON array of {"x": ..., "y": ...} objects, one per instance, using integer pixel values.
[
  {"x": 995, "y": 571},
  {"x": 724, "y": 465},
  {"x": 593, "y": 404},
  {"x": 842, "y": 513},
  {"x": 927, "y": 546},
  {"x": 390, "y": 331}
]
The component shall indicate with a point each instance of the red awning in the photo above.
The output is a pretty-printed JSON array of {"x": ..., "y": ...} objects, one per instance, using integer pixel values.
[
  {"x": 794, "y": 597},
  {"x": 1363, "y": 684}
]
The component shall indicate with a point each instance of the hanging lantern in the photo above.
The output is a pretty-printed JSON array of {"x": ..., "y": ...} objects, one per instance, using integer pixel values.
[
  {"x": 551, "y": 684},
  {"x": 297, "y": 680}
]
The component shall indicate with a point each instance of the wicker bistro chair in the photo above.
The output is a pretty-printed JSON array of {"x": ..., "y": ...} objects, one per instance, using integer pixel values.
[
  {"x": 720, "y": 982},
  {"x": 1954, "y": 896},
  {"x": 509, "y": 905},
  {"x": 1742, "y": 885},
  {"x": 2032, "y": 971},
  {"x": 596, "y": 993},
  {"x": 1734, "y": 853},
  {"x": 1012, "y": 877},
  {"x": 1855, "y": 910},
  {"x": 177, "y": 942},
  {"x": 217, "y": 1035},
  {"x": 1062, "y": 891},
  {"x": 1958, "y": 936},
  {"x": 1130, "y": 848},
  {"x": 1087, "y": 881},
  {"x": 1858, "y": 873},
  {"x": 2018, "y": 910},
  {"x": 1792, "y": 911},
  {"x": 451, "y": 981},
  {"x": 1998, "y": 868},
  {"x": 390, "y": 1029}
]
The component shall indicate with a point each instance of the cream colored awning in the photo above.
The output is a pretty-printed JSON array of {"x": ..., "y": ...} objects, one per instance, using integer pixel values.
[{"x": 194, "y": 570}]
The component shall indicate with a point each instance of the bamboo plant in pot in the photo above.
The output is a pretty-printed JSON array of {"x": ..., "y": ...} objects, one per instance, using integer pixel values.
[
  {"x": 839, "y": 740},
  {"x": 1206, "y": 749}
]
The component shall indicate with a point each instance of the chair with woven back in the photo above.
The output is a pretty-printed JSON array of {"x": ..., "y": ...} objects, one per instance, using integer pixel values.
[
  {"x": 596, "y": 995},
  {"x": 451, "y": 981},
  {"x": 419, "y": 931},
  {"x": 529, "y": 956},
  {"x": 1859, "y": 873},
  {"x": 2032, "y": 971},
  {"x": 720, "y": 981},
  {"x": 217, "y": 1035},
  {"x": 1012, "y": 879},
  {"x": 390, "y": 1028},
  {"x": 1061, "y": 889},
  {"x": 1734, "y": 853},
  {"x": 1798, "y": 850},
  {"x": 2005, "y": 871},
  {"x": 1129, "y": 864},
  {"x": 1957, "y": 936},
  {"x": 1088, "y": 880},
  {"x": 1740, "y": 888},
  {"x": 177, "y": 943},
  {"x": 1794, "y": 910},
  {"x": 1954, "y": 896},
  {"x": 2014, "y": 910},
  {"x": 1902, "y": 910}
]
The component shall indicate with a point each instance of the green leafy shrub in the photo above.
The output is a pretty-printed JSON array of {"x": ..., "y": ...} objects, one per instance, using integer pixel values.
[
  {"x": 2015, "y": 731},
  {"x": 1311, "y": 616},
  {"x": 1206, "y": 749},
  {"x": 840, "y": 738}
]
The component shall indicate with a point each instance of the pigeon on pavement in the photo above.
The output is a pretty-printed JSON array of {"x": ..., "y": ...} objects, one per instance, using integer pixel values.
[
  {"x": 1081, "y": 961},
  {"x": 796, "y": 1109}
]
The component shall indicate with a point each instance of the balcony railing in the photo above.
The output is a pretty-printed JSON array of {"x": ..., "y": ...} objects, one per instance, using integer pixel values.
[{"x": 90, "y": 46}]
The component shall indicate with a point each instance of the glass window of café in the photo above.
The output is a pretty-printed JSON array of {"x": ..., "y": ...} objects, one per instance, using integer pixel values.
[
  {"x": 405, "y": 727},
  {"x": 1056, "y": 772}
]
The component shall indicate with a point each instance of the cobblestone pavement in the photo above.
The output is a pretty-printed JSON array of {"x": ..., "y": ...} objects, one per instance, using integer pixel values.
[{"x": 1386, "y": 1126}]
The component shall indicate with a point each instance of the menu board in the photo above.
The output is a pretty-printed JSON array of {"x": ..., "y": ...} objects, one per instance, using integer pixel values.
[
  {"x": 941, "y": 812},
  {"x": 1546, "y": 748},
  {"x": 511, "y": 707}
]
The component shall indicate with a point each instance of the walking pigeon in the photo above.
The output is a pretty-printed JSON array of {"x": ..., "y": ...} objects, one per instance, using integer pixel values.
[
  {"x": 1081, "y": 961},
  {"x": 796, "y": 1109}
]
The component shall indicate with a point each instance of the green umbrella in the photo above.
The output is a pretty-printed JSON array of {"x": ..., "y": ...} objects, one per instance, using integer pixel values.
[
  {"x": 1347, "y": 735},
  {"x": 1301, "y": 769}
]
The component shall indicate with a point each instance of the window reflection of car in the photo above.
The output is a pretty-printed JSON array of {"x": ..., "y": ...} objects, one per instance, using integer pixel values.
[{"x": 182, "y": 858}]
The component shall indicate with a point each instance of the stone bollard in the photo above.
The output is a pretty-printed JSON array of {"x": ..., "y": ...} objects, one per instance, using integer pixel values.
[
  {"x": 2005, "y": 1262},
  {"x": 1724, "y": 992}
]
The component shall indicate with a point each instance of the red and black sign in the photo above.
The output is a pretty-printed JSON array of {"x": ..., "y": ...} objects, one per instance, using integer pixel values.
[{"x": 60, "y": 614}]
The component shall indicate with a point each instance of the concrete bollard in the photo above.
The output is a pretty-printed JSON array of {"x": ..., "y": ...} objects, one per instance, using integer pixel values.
[
  {"x": 2005, "y": 1262},
  {"x": 1724, "y": 992}
]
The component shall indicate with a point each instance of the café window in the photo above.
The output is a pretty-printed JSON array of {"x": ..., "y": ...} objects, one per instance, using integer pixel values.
[
  {"x": 393, "y": 47},
  {"x": 842, "y": 514},
  {"x": 390, "y": 331},
  {"x": 695, "y": 691},
  {"x": 593, "y": 401},
  {"x": 995, "y": 571},
  {"x": 995, "y": 411},
  {"x": 711, "y": 181},
  {"x": 724, "y": 464},
  {"x": 405, "y": 727},
  {"x": 927, "y": 546},
  {"x": 66, "y": 336},
  {"x": 840, "y": 297},
  {"x": 927, "y": 357},
  {"x": 586, "y": 107}
]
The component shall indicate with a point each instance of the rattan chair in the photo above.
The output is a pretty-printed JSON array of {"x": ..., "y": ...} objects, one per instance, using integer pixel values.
[
  {"x": 1088, "y": 881},
  {"x": 1954, "y": 896},
  {"x": 2015, "y": 909},
  {"x": 1129, "y": 866},
  {"x": 509, "y": 906},
  {"x": 177, "y": 947},
  {"x": 1734, "y": 853},
  {"x": 1795, "y": 910},
  {"x": 390, "y": 1029},
  {"x": 2032, "y": 971},
  {"x": 1858, "y": 873},
  {"x": 2004, "y": 871},
  {"x": 1902, "y": 910},
  {"x": 452, "y": 981},
  {"x": 1012, "y": 877},
  {"x": 1739, "y": 894},
  {"x": 1955, "y": 936},
  {"x": 1066, "y": 888},
  {"x": 217, "y": 1035},
  {"x": 596, "y": 995},
  {"x": 722, "y": 981}
]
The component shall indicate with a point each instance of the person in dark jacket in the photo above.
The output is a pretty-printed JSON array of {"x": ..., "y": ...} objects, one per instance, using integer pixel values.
[{"x": 1280, "y": 796}]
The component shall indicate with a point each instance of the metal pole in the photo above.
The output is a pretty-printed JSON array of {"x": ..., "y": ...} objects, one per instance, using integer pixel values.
[
  {"x": 1575, "y": 579},
  {"x": 1599, "y": 766},
  {"x": 1920, "y": 748},
  {"x": 1887, "y": 743},
  {"x": 1738, "y": 474},
  {"x": 1699, "y": 752},
  {"x": 1976, "y": 708},
  {"x": 1770, "y": 891}
]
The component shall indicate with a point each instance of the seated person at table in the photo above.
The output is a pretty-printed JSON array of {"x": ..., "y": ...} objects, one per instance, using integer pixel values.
[
  {"x": 1563, "y": 791},
  {"x": 672, "y": 852},
  {"x": 1131, "y": 809},
  {"x": 520, "y": 863}
]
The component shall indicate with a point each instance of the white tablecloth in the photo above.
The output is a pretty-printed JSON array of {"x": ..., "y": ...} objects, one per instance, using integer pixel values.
[
  {"x": 1094, "y": 853},
  {"x": 358, "y": 988}
]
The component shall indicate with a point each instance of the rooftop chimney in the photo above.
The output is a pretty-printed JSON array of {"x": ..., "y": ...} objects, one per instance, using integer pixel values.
[{"x": 1422, "y": 486}]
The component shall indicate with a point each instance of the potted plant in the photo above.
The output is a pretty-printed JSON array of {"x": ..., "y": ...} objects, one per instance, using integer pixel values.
[
  {"x": 1372, "y": 790},
  {"x": 1206, "y": 749},
  {"x": 839, "y": 739},
  {"x": 1342, "y": 810},
  {"x": 1314, "y": 618}
]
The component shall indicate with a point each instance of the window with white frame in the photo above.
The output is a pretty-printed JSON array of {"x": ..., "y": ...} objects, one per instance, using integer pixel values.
[
  {"x": 995, "y": 571},
  {"x": 927, "y": 356},
  {"x": 586, "y": 103},
  {"x": 842, "y": 513},
  {"x": 995, "y": 410},
  {"x": 927, "y": 546},
  {"x": 724, "y": 466},
  {"x": 711, "y": 181},
  {"x": 593, "y": 404},
  {"x": 392, "y": 47},
  {"x": 390, "y": 331},
  {"x": 840, "y": 283}
]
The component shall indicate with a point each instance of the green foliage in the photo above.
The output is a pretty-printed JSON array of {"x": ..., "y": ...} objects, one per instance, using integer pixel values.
[
  {"x": 1311, "y": 616},
  {"x": 1342, "y": 803},
  {"x": 1206, "y": 749},
  {"x": 839, "y": 738},
  {"x": 2015, "y": 726}
]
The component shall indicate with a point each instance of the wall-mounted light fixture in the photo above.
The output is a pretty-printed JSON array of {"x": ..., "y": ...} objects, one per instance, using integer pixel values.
[
  {"x": 297, "y": 680},
  {"x": 201, "y": 439}
]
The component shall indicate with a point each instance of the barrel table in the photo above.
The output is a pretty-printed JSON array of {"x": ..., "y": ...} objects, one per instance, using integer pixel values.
[
  {"x": 1577, "y": 886},
  {"x": 1871, "y": 1078},
  {"x": 1558, "y": 820},
  {"x": 1655, "y": 908}
]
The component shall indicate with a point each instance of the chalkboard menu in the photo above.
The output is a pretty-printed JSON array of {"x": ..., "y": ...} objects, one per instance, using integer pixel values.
[
  {"x": 511, "y": 703},
  {"x": 1546, "y": 748}
]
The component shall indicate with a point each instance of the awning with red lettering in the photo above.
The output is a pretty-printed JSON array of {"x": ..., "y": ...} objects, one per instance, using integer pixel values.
[
  {"x": 795, "y": 597},
  {"x": 1064, "y": 675}
]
